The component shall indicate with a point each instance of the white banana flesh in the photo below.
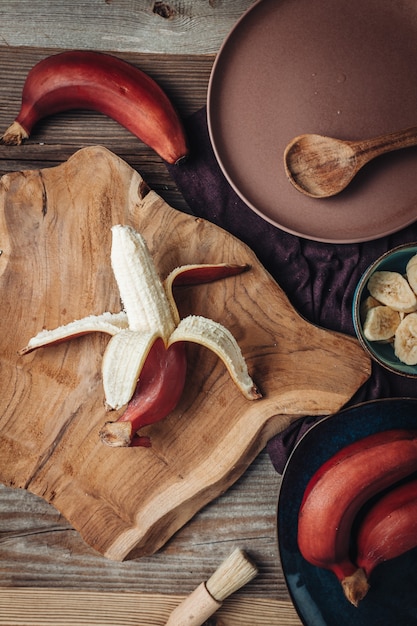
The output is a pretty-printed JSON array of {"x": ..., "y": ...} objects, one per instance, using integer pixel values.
[
  {"x": 381, "y": 323},
  {"x": 393, "y": 290},
  {"x": 405, "y": 342},
  {"x": 220, "y": 340},
  {"x": 411, "y": 272},
  {"x": 110, "y": 323},
  {"x": 389, "y": 313},
  {"x": 141, "y": 291},
  {"x": 368, "y": 304},
  {"x": 122, "y": 363}
]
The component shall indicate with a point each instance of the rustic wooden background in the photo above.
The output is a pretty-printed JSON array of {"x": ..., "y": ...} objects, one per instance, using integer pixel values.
[{"x": 47, "y": 573}]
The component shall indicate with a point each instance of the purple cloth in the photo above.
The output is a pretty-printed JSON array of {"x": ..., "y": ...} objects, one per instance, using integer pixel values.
[{"x": 319, "y": 278}]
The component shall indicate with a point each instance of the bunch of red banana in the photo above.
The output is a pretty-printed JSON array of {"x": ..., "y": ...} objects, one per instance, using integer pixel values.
[
  {"x": 104, "y": 83},
  {"x": 337, "y": 492}
]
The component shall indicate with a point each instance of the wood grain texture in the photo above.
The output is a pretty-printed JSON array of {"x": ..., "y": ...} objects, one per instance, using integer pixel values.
[
  {"x": 174, "y": 26},
  {"x": 55, "y": 237},
  {"x": 39, "y": 548},
  {"x": 51, "y": 607}
]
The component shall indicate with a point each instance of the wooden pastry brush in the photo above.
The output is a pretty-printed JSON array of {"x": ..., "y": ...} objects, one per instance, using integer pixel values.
[{"x": 207, "y": 598}]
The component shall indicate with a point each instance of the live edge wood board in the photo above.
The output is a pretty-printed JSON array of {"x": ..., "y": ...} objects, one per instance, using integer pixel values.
[{"x": 55, "y": 267}]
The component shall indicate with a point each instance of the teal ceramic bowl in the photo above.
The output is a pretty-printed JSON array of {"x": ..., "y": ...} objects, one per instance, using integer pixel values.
[{"x": 394, "y": 260}]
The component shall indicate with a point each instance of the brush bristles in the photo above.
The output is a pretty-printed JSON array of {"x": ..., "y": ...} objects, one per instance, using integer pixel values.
[{"x": 237, "y": 570}]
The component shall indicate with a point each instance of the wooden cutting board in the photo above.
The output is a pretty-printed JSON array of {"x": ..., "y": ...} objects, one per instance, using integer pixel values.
[{"x": 54, "y": 268}]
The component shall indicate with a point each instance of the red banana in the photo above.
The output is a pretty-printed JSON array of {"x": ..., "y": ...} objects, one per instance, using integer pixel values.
[
  {"x": 101, "y": 82},
  {"x": 336, "y": 492},
  {"x": 389, "y": 528}
]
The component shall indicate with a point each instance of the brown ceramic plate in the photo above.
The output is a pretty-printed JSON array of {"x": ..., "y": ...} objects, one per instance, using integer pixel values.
[{"x": 344, "y": 69}]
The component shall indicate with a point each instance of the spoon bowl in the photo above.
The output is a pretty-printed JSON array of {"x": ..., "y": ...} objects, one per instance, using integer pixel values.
[{"x": 321, "y": 167}]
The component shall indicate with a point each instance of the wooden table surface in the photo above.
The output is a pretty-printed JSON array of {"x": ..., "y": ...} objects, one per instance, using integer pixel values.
[{"x": 48, "y": 575}]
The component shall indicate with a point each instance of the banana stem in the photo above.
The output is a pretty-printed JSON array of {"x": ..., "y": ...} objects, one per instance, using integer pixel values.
[{"x": 356, "y": 586}]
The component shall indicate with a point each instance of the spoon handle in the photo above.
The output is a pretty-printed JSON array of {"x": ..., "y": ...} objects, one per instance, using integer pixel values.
[{"x": 368, "y": 149}]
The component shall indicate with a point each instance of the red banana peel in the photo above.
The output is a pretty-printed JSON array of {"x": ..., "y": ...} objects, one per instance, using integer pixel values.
[
  {"x": 101, "y": 82},
  {"x": 157, "y": 393},
  {"x": 338, "y": 490}
]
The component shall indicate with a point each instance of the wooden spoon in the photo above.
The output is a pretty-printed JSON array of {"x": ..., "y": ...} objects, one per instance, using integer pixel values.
[{"x": 321, "y": 166}]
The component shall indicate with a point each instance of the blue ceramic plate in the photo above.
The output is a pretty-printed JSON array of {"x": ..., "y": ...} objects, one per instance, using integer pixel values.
[
  {"x": 315, "y": 592},
  {"x": 394, "y": 260}
]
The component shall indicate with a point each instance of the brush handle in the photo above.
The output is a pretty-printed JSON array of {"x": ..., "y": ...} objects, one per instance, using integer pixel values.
[{"x": 195, "y": 609}]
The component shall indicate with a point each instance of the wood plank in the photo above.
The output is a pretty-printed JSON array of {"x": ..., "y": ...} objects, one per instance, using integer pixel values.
[
  {"x": 191, "y": 27},
  {"x": 52, "y": 607}
]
